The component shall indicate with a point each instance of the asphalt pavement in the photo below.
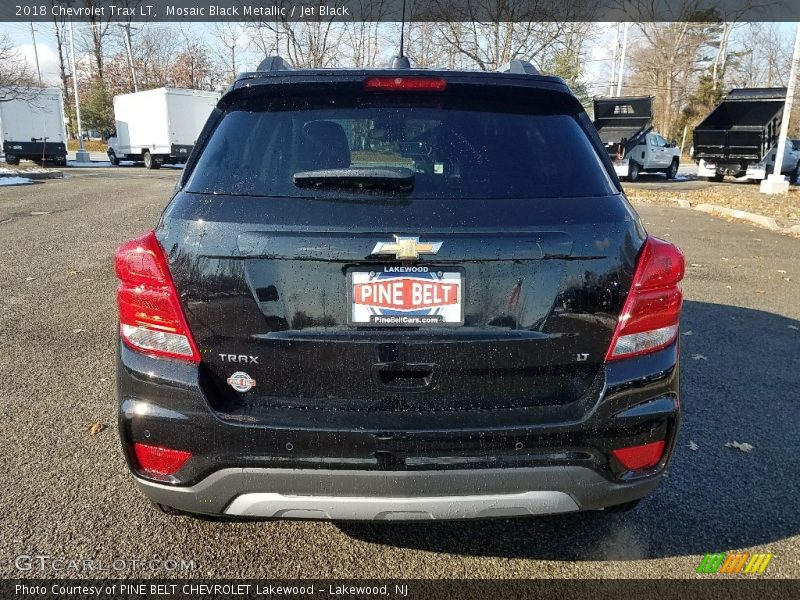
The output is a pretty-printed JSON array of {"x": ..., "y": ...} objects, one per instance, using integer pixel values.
[{"x": 67, "y": 493}]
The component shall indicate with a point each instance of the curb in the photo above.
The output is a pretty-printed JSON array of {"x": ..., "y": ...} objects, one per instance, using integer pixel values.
[
  {"x": 760, "y": 220},
  {"x": 767, "y": 222}
]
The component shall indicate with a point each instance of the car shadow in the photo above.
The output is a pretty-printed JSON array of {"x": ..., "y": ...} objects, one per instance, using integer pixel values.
[{"x": 740, "y": 376}]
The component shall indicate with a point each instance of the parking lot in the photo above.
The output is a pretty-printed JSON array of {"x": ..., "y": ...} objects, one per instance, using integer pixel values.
[{"x": 66, "y": 492}]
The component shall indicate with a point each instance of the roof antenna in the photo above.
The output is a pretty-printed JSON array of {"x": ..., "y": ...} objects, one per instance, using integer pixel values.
[{"x": 401, "y": 60}]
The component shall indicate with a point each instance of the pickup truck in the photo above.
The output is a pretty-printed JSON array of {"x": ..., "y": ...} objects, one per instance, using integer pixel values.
[{"x": 625, "y": 126}]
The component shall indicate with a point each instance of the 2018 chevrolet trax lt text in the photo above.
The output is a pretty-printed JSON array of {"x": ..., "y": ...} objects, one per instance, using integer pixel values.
[{"x": 398, "y": 294}]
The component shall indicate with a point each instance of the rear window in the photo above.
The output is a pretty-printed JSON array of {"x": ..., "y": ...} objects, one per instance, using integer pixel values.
[{"x": 454, "y": 151}]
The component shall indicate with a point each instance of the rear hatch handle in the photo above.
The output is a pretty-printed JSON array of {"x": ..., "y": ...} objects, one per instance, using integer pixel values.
[{"x": 402, "y": 376}]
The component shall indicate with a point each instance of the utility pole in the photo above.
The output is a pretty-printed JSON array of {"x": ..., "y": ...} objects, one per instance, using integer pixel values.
[
  {"x": 36, "y": 55},
  {"x": 622, "y": 58},
  {"x": 81, "y": 155},
  {"x": 127, "y": 28},
  {"x": 614, "y": 60},
  {"x": 776, "y": 183}
]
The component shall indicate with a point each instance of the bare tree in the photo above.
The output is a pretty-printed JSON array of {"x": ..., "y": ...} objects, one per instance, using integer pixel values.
[
  {"x": 60, "y": 33},
  {"x": 312, "y": 43},
  {"x": 154, "y": 47},
  {"x": 264, "y": 38},
  {"x": 228, "y": 37},
  {"x": 666, "y": 61},
  {"x": 761, "y": 56},
  {"x": 426, "y": 46},
  {"x": 361, "y": 39},
  {"x": 496, "y": 31},
  {"x": 17, "y": 80},
  {"x": 94, "y": 36}
]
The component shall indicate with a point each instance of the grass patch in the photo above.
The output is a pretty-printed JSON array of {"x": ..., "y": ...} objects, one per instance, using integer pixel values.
[{"x": 90, "y": 145}]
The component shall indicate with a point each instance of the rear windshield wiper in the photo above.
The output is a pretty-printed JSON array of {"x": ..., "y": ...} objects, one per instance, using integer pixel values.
[{"x": 385, "y": 178}]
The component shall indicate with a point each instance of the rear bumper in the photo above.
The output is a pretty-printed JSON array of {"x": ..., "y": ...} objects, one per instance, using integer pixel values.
[
  {"x": 397, "y": 495},
  {"x": 180, "y": 152},
  {"x": 35, "y": 150},
  {"x": 285, "y": 462}
]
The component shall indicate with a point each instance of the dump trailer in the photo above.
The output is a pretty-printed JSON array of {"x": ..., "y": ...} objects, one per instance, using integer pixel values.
[
  {"x": 625, "y": 125},
  {"x": 159, "y": 126},
  {"x": 32, "y": 127},
  {"x": 740, "y": 136}
]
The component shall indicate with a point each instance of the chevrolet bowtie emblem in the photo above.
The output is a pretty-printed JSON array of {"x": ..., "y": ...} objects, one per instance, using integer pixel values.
[{"x": 406, "y": 248}]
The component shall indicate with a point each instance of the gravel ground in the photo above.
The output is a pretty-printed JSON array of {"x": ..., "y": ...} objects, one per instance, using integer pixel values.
[{"x": 67, "y": 493}]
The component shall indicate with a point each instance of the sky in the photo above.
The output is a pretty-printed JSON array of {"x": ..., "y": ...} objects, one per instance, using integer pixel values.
[
  {"x": 598, "y": 55},
  {"x": 597, "y": 65}
]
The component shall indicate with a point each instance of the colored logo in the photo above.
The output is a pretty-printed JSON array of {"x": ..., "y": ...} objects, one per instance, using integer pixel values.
[
  {"x": 734, "y": 562},
  {"x": 241, "y": 382}
]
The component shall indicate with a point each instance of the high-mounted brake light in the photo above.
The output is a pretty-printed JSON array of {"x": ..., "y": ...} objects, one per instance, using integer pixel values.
[
  {"x": 155, "y": 460},
  {"x": 644, "y": 456},
  {"x": 151, "y": 319},
  {"x": 650, "y": 317},
  {"x": 405, "y": 84}
]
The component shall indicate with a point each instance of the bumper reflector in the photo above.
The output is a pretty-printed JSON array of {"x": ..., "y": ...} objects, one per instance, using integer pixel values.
[
  {"x": 640, "y": 457},
  {"x": 155, "y": 460}
]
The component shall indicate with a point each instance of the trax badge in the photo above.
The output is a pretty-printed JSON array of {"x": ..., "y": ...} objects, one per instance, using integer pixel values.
[
  {"x": 405, "y": 248},
  {"x": 239, "y": 358},
  {"x": 241, "y": 381}
]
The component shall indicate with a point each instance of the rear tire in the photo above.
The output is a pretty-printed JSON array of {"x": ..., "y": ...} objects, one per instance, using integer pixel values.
[
  {"x": 11, "y": 159},
  {"x": 716, "y": 178},
  {"x": 150, "y": 162},
  {"x": 622, "y": 508},
  {"x": 633, "y": 171},
  {"x": 112, "y": 157},
  {"x": 672, "y": 170},
  {"x": 795, "y": 174}
]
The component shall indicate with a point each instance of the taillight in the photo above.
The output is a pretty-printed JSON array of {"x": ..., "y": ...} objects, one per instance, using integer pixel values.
[
  {"x": 635, "y": 458},
  {"x": 649, "y": 319},
  {"x": 405, "y": 84},
  {"x": 151, "y": 319},
  {"x": 156, "y": 460}
]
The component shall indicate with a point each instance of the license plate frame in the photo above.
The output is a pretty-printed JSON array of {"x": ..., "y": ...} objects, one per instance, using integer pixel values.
[{"x": 452, "y": 315}]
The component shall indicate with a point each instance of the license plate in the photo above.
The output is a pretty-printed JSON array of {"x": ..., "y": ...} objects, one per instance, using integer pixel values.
[{"x": 395, "y": 296}]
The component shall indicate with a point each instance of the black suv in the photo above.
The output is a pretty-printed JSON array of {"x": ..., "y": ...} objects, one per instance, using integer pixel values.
[{"x": 398, "y": 294}]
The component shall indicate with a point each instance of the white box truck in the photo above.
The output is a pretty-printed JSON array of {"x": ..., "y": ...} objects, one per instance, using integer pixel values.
[
  {"x": 159, "y": 126},
  {"x": 33, "y": 127}
]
